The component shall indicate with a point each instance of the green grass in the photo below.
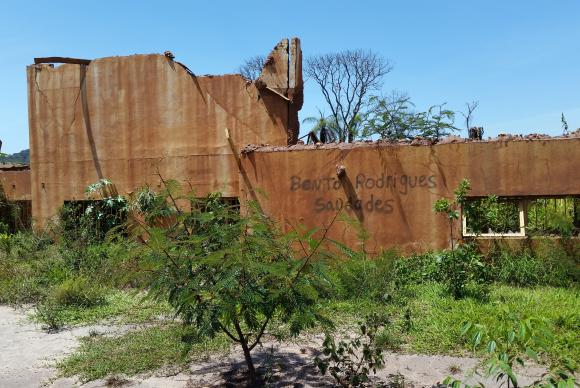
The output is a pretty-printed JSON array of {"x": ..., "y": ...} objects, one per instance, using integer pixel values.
[
  {"x": 433, "y": 328},
  {"x": 424, "y": 318},
  {"x": 145, "y": 350},
  {"x": 121, "y": 307},
  {"x": 436, "y": 318}
]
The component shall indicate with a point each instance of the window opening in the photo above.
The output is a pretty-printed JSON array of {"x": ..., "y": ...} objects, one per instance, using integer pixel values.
[
  {"x": 516, "y": 217},
  {"x": 96, "y": 216},
  {"x": 493, "y": 216},
  {"x": 15, "y": 216}
]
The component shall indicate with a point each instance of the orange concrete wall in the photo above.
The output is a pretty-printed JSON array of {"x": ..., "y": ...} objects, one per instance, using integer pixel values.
[
  {"x": 393, "y": 187},
  {"x": 122, "y": 118},
  {"x": 16, "y": 184}
]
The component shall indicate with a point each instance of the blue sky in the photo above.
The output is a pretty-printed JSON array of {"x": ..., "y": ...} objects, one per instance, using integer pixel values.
[{"x": 519, "y": 59}]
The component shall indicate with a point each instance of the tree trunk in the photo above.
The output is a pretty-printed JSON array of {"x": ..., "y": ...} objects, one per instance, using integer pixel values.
[{"x": 252, "y": 376}]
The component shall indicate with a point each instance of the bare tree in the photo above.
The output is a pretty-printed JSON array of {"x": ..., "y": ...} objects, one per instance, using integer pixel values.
[
  {"x": 346, "y": 78},
  {"x": 471, "y": 107},
  {"x": 252, "y": 67},
  {"x": 562, "y": 119}
]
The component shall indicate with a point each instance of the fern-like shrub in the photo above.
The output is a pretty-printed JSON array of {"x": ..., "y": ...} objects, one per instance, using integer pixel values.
[{"x": 226, "y": 270}]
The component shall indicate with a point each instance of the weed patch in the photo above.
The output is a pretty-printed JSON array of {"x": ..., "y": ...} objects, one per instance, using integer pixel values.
[
  {"x": 436, "y": 318},
  {"x": 119, "y": 306},
  {"x": 137, "y": 352},
  {"x": 79, "y": 292}
]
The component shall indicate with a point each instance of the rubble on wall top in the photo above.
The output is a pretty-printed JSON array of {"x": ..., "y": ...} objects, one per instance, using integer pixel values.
[
  {"x": 13, "y": 167},
  {"x": 418, "y": 141}
]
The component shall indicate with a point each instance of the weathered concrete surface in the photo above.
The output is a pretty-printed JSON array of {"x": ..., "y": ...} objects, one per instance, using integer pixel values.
[
  {"x": 16, "y": 184},
  {"x": 28, "y": 354},
  {"x": 392, "y": 188},
  {"x": 122, "y": 118}
]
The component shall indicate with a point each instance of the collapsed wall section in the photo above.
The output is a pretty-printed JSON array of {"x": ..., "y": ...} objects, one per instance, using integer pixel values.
[
  {"x": 391, "y": 189},
  {"x": 127, "y": 118}
]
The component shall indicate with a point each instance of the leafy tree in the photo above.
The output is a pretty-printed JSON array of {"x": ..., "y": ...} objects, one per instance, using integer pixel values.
[
  {"x": 456, "y": 267},
  {"x": 227, "y": 272},
  {"x": 451, "y": 208},
  {"x": 393, "y": 117},
  {"x": 390, "y": 118},
  {"x": 324, "y": 129},
  {"x": 346, "y": 78},
  {"x": 436, "y": 122}
]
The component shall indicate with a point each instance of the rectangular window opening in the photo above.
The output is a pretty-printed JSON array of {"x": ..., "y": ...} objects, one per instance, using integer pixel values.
[
  {"x": 98, "y": 215},
  {"x": 519, "y": 217},
  {"x": 553, "y": 216},
  {"x": 16, "y": 215}
]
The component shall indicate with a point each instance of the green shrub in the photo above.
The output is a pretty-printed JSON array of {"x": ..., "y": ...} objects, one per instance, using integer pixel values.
[
  {"x": 78, "y": 291},
  {"x": 518, "y": 270},
  {"x": 51, "y": 315},
  {"x": 27, "y": 278},
  {"x": 417, "y": 269},
  {"x": 222, "y": 271},
  {"x": 512, "y": 341},
  {"x": 461, "y": 270},
  {"x": 491, "y": 214},
  {"x": 6, "y": 243},
  {"x": 361, "y": 277},
  {"x": 16, "y": 291},
  {"x": 390, "y": 339},
  {"x": 352, "y": 362},
  {"x": 89, "y": 221},
  {"x": 29, "y": 245},
  {"x": 74, "y": 292},
  {"x": 108, "y": 262},
  {"x": 549, "y": 266}
]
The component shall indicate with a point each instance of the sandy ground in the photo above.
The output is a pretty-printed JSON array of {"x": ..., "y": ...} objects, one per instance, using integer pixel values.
[{"x": 27, "y": 356}]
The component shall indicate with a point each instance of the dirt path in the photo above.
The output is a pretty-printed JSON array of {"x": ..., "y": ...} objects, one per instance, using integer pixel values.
[
  {"x": 27, "y": 353},
  {"x": 27, "y": 356}
]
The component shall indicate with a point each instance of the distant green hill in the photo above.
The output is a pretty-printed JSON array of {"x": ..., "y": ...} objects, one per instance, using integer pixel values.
[{"x": 22, "y": 157}]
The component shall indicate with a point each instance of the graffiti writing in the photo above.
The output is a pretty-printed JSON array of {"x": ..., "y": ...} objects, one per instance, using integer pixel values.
[
  {"x": 373, "y": 204},
  {"x": 401, "y": 183},
  {"x": 393, "y": 185}
]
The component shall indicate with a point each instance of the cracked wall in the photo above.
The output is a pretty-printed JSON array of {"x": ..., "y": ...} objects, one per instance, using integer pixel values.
[{"x": 124, "y": 118}]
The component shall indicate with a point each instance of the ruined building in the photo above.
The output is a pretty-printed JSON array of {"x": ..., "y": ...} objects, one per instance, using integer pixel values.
[{"x": 127, "y": 118}]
